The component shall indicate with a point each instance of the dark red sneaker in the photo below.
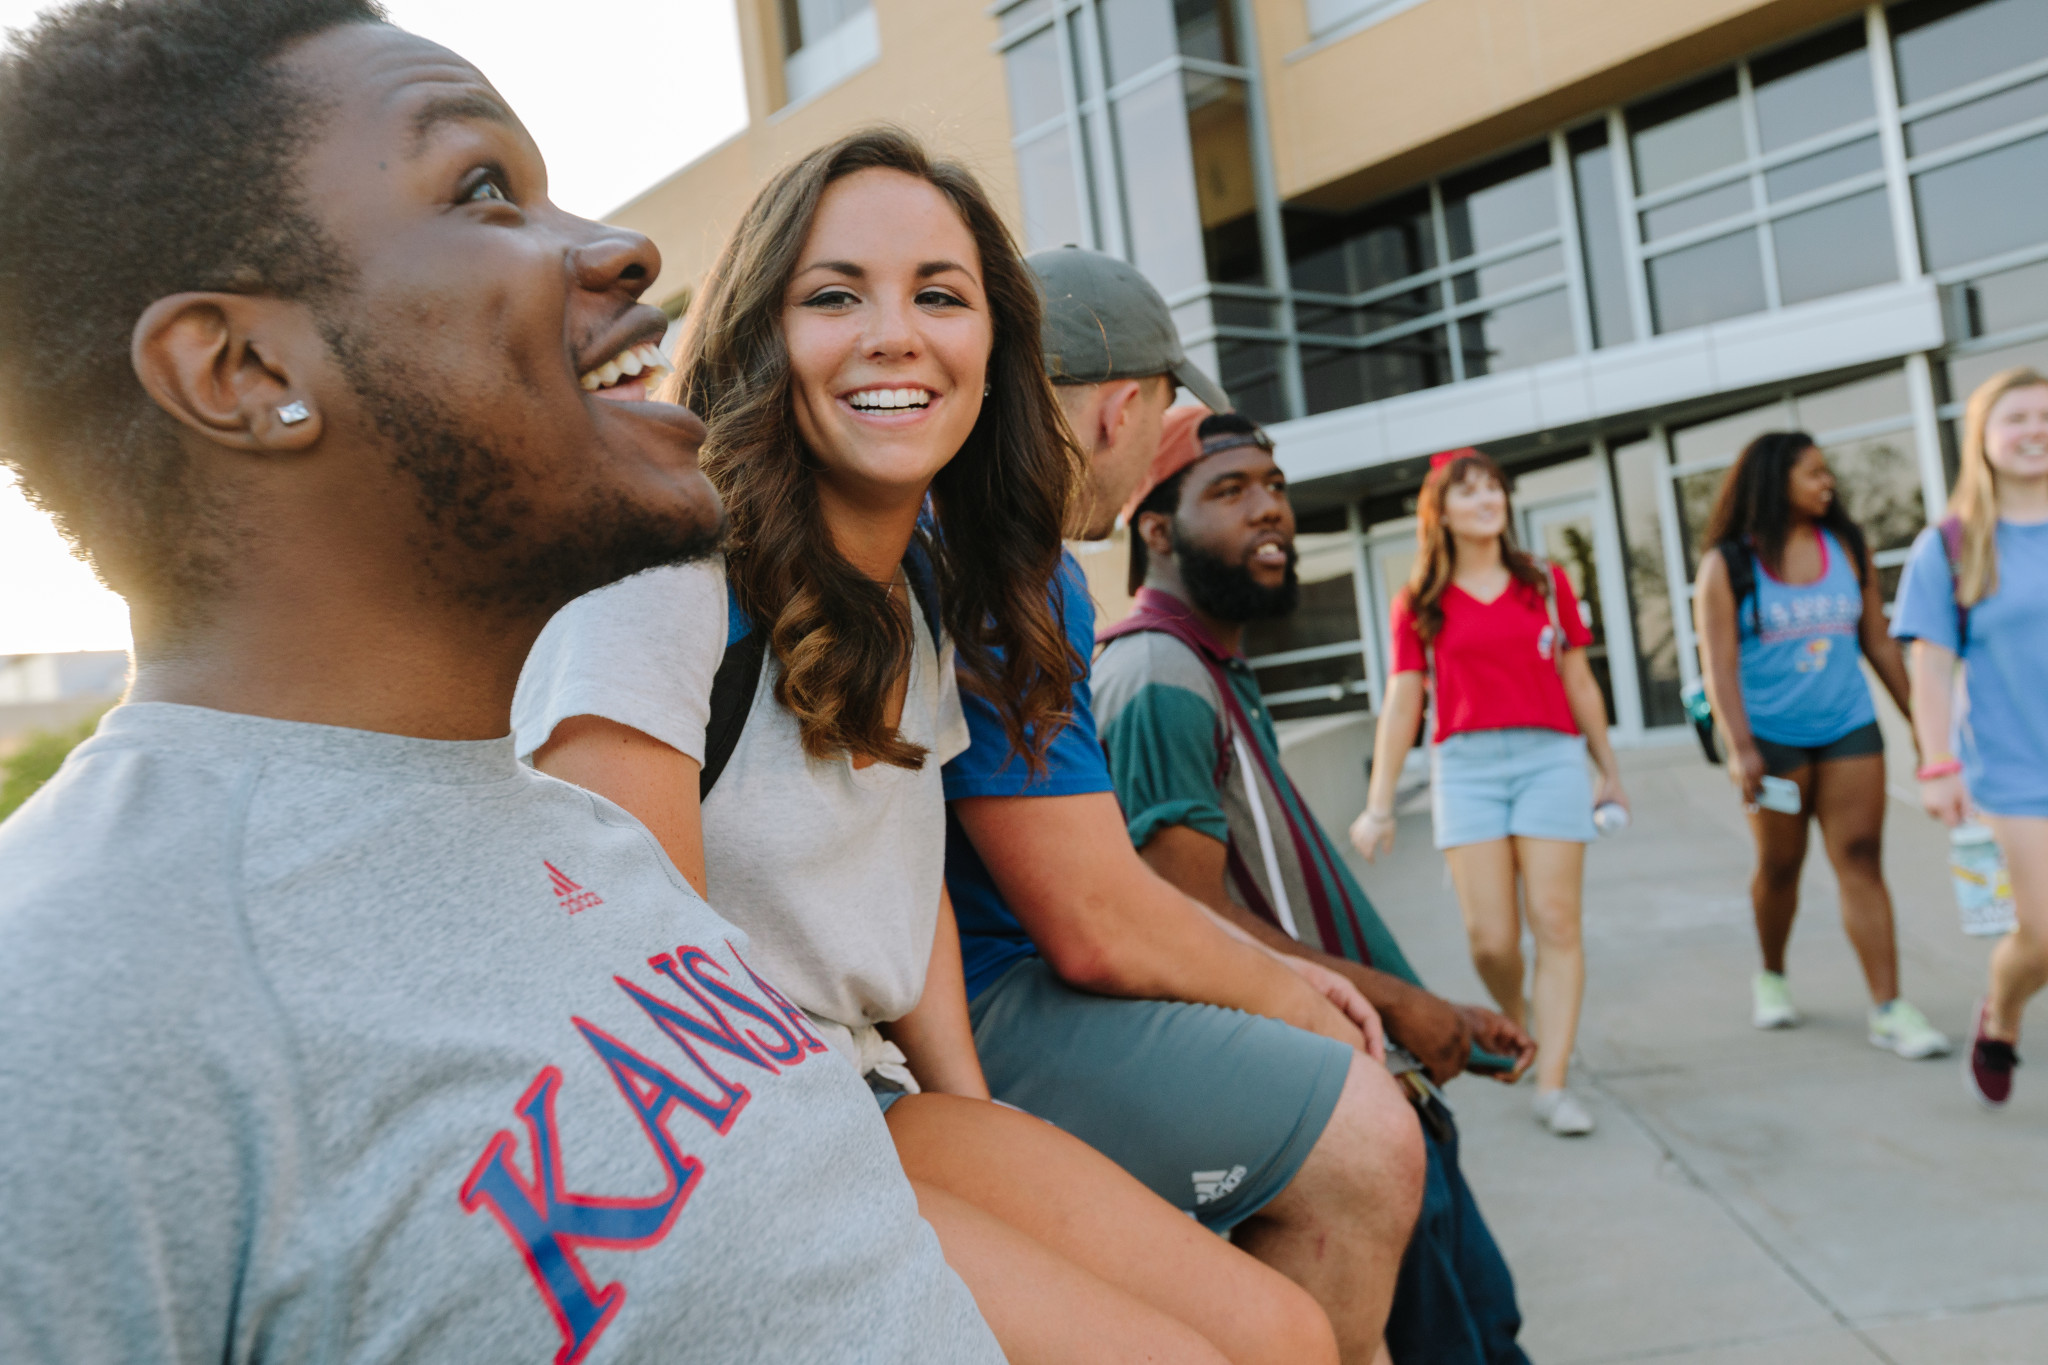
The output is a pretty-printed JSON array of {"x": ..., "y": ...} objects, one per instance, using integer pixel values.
[{"x": 1989, "y": 1072}]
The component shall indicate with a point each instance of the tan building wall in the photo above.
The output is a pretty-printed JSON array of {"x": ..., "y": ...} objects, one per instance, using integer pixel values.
[
  {"x": 938, "y": 76},
  {"x": 1352, "y": 117},
  {"x": 1451, "y": 80}
]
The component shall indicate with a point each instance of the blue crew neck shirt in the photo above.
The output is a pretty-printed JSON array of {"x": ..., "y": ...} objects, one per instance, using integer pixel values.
[
  {"x": 991, "y": 939},
  {"x": 2001, "y": 727}
]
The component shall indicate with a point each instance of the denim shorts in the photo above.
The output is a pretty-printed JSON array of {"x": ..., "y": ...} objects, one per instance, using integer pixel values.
[{"x": 1489, "y": 784}]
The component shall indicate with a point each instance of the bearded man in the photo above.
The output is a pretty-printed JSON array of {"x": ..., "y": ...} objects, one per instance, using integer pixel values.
[{"x": 1198, "y": 773}]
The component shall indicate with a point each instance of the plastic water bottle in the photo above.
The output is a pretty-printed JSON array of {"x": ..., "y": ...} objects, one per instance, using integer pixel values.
[
  {"x": 1983, "y": 886},
  {"x": 1610, "y": 817}
]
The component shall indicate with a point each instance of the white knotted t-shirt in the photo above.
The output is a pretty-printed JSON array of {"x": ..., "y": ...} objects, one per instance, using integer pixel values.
[{"x": 833, "y": 871}]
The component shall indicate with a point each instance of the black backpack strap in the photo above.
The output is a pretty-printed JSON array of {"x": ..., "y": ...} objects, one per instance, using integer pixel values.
[
  {"x": 1740, "y": 562},
  {"x": 732, "y": 693},
  {"x": 924, "y": 586},
  {"x": 746, "y": 654}
]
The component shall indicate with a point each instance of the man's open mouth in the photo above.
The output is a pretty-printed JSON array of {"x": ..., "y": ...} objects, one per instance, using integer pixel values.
[
  {"x": 638, "y": 366},
  {"x": 1270, "y": 555}
]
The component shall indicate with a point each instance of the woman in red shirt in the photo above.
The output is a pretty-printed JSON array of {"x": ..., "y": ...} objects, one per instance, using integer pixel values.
[{"x": 1517, "y": 713}]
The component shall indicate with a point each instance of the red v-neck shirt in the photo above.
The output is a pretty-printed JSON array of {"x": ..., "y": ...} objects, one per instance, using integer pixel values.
[{"x": 1495, "y": 663}]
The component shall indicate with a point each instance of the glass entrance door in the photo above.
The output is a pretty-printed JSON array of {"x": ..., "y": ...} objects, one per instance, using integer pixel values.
[
  {"x": 1389, "y": 556},
  {"x": 1564, "y": 531}
]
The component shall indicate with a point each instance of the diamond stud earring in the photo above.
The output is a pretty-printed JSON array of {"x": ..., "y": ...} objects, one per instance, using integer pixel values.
[{"x": 293, "y": 413}]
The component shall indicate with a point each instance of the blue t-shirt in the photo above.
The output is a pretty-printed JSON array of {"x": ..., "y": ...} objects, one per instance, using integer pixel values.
[
  {"x": 2001, "y": 726},
  {"x": 991, "y": 939},
  {"x": 1801, "y": 683}
]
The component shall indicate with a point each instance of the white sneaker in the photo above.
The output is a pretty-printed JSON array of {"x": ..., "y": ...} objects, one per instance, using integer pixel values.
[
  {"x": 1899, "y": 1027},
  {"x": 1772, "y": 1003},
  {"x": 1560, "y": 1112}
]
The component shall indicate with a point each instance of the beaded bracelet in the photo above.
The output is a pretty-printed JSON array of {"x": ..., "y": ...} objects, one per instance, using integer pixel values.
[{"x": 1947, "y": 767}]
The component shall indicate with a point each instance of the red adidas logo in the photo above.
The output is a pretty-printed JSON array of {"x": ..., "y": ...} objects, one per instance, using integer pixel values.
[{"x": 573, "y": 898}]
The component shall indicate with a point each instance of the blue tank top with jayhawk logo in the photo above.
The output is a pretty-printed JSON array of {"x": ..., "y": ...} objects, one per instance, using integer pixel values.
[{"x": 1801, "y": 681}]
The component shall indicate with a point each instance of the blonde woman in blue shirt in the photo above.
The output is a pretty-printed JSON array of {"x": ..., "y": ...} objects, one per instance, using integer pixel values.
[{"x": 1974, "y": 604}]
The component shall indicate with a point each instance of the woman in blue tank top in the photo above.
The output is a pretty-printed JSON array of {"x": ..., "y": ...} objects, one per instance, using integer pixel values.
[{"x": 1786, "y": 606}]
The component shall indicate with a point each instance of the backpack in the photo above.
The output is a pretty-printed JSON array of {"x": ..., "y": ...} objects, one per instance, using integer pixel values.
[
  {"x": 746, "y": 652},
  {"x": 1738, "y": 557}
]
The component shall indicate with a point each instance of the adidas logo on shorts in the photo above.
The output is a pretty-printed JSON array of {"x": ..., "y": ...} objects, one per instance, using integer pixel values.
[{"x": 1213, "y": 1185}]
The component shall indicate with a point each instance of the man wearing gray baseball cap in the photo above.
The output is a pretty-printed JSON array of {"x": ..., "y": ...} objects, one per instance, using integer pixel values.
[{"x": 1095, "y": 983}]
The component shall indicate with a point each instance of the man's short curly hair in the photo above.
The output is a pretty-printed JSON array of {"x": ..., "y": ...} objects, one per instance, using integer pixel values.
[{"x": 147, "y": 147}]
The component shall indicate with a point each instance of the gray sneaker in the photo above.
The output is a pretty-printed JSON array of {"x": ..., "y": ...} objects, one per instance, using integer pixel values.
[
  {"x": 1561, "y": 1112},
  {"x": 1899, "y": 1027},
  {"x": 1772, "y": 1002}
]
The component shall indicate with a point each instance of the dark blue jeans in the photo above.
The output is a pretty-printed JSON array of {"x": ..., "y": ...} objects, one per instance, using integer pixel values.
[{"x": 1454, "y": 1303}]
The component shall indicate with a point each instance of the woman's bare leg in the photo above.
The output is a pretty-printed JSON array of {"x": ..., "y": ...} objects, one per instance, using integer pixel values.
[
  {"x": 1484, "y": 876},
  {"x": 1044, "y": 1309},
  {"x": 1780, "y": 857},
  {"x": 1553, "y": 876},
  {"x": 1087, "y": 1212},
  {"x": 1848, "y": 799},
  {"x": 2019, "y": 964}
]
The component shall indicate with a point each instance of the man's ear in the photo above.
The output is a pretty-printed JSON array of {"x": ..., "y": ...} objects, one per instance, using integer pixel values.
[
  {"x": 219, "y": 364},
  {"x": 1117, "y": 397},
  {"x": 1156, "y": 530}
]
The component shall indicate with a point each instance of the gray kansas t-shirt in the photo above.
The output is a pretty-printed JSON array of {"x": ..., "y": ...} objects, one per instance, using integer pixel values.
[{"x": 323, "y": 1045}]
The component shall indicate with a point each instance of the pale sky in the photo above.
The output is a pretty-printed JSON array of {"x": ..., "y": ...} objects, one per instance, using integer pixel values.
[{"x": 607, "y": 134}]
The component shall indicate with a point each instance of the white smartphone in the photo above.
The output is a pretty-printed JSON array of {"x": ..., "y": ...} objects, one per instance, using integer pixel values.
[{"x": 1779, "y": 794}]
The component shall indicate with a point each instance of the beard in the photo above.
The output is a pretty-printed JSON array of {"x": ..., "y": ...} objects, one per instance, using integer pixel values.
[
  {"x": 1227, "y": 591},
  {"x": 484, "y": 541}
]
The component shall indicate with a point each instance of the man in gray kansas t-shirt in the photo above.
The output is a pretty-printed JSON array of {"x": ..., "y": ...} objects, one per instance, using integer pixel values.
[
  {"x": 327, "y": 1032},
  {"x": 331, "y": 1045}
]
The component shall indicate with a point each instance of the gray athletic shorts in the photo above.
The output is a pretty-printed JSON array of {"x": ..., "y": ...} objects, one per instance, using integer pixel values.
[{"x": 1213, "y": 1108}]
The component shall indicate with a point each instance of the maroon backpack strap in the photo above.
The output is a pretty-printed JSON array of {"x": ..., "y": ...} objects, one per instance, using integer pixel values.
[
  {"x": 1149, "y": 618},
  {"x": 1951, "y": 528}
]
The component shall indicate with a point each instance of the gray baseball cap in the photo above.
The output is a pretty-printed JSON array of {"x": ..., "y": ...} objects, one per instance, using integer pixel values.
[{"x": 1104, "y": 320}]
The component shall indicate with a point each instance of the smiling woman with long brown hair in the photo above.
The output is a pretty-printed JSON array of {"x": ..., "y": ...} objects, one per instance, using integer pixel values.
[
  {"x": 1493, "y": 637},
  {"x": 896, "y": 471}
]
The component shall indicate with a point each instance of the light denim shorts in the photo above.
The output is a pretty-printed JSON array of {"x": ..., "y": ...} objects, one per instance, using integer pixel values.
[{"x": 1489, "y": 784}]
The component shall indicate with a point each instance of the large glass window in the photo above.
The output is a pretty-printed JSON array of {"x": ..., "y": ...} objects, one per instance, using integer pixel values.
[
  {"x": 1812, "y": 88},
  {"x": 1764, "y": 185},
  {"x": 1638, "y": 470},
  {"x": 1600, "y": 238},
  {"x": 824, "y": 42},
  {"x": 1688, "y": 134},
  {"x": 1479, "y": 257},
  {"x": 1941, "y": 46},
  {"x": 1974, "y": 100},
  {"x": 1160, "y": 204},
  {"x": 1132, "y": 125},
  {"x": 1984, "y": 206},
  {"x": 1719, "y": 279},
  {"x": 1760, "y": 186}
]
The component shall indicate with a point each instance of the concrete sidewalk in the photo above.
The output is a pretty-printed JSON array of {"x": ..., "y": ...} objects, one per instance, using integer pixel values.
[{"x": 1749, "y": 1197}]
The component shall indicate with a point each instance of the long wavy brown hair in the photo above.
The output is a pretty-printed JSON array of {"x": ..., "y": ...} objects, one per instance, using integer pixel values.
[
  {"x": 1437, "y": 558},
  {"x": 1975, "y": 501},
  {"x": 999, "y": 504}
]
